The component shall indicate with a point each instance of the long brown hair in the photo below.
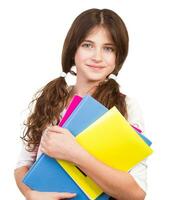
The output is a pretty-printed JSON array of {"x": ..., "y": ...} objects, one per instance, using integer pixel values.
[{"x": 52, "y": 99}]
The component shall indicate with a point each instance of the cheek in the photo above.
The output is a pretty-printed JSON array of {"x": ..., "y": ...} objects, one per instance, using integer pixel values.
[
  {"x": 110, "y": 60},
  {"x": 81, "y": 56}
]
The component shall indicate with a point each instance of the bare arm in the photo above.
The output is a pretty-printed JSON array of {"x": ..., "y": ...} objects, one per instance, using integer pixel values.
[
  {"x": 118, "y": 184},
  {"x": 29, "y": 194},
  {"x": 19, "y": 173},
  {"x": 61, "y": 144}
]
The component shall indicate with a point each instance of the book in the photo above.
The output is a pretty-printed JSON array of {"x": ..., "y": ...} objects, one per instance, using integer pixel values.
[
  {"x": 147, "y": 141},
  {"x": 38, "y": 179},
  {"x": 86, "y": 113},
  {"x": 46, "y": 175},
  {"x": 73, "y": 104},
  {"x": 113, "y": 141},
  {"x": 137, "y": 129}
]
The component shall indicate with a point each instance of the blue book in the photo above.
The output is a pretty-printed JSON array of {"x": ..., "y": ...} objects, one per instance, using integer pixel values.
[
  {"x": 87, "y": 112},
  {"x": 46, "y": 174},
  {"x": 147, "y": 141}
]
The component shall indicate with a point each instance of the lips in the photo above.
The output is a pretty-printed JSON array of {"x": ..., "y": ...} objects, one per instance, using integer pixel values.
[{"x": 95, "y": 66}]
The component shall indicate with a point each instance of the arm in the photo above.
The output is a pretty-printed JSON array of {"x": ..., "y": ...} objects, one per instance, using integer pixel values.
[
  {"x": 19, "y": 173},
  {"x": 121, "y": 185},
  {"x": 116, "y": 183},
  {"x": 60, "y": 143},
  {"x": 25, "y": 161}
]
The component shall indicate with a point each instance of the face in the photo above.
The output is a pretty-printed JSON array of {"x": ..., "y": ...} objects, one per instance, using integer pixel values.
[{"x": 95, "y": 57}]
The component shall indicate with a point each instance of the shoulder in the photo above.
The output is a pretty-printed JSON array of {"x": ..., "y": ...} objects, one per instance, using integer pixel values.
[
  {"x": 134, "y": 110},
  {"x": 25, "y": 157},
  {"x": 132, "y": 104}
]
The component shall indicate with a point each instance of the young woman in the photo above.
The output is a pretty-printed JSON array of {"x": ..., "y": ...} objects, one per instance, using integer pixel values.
[{"x": 97, "y": 45}]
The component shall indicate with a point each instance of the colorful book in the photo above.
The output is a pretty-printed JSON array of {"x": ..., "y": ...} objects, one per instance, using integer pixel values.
[
  {"x": 147, "y": 141},
  {"x": 73, "y": 104},
  {"x": 112, "y": 140},
  {"x": 38, "y": 179},
  {"x": 137, "y": 129},
  {"x": 86, "y": 113},
  {"x": 46, "y": 175}
]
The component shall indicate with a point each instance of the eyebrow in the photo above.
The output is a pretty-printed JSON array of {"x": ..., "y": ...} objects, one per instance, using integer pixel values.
[{"x": 109, "y": 44}]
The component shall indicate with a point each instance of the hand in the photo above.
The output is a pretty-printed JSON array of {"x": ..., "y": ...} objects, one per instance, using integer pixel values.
[
  {"x": 59, "y": 143},
  {"x": 35, "y": 195}
]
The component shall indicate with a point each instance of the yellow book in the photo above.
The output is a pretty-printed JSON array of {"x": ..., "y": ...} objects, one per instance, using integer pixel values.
[{"x": 111, "y": 140}]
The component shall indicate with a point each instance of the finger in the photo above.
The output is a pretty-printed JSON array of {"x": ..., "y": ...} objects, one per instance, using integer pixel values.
[
  {"x": 56, "y": 129},
  {"x": 48, "y": 134},
  {"x": 51, "y": 134},
  {"x": 43, "y": 142},
  {"x": 45, "y": 137},
  {"x": 42, "y": 149},
  {"x": 45, "y": 133},
  {"x": 65, "y": 195}
]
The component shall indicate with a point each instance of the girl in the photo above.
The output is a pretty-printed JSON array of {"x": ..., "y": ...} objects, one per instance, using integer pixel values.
[{"x": 97, "y": 45}]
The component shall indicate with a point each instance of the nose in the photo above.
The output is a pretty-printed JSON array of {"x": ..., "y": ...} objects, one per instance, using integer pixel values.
[{"x": 97, "y": 55}]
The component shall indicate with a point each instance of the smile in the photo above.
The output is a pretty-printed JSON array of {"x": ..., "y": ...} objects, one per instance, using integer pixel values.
[{"x": 96, "y": 67}]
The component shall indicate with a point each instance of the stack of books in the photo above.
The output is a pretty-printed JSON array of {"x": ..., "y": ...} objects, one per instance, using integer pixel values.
[{"x": 105, "y": 134}]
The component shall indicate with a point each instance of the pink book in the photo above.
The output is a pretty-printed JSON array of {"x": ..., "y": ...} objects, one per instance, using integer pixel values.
[
  {"x": 74, "y": 103},
  {"x": 137, "y": 129}
]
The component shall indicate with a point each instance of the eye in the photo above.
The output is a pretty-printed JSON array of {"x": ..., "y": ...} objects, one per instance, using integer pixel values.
[
  {"x": 87, "y": 45},
  {"x": 109, "y": 49}
]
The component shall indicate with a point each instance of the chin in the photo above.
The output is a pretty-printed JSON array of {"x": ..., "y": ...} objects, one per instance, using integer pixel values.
[{"x": 95, "y": 79}]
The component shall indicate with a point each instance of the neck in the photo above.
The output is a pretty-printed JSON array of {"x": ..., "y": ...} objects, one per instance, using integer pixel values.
[{"x": 83, "y": 89}]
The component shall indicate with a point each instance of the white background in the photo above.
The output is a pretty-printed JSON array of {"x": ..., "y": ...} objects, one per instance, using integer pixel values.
[{"x": 31, "y": 38}]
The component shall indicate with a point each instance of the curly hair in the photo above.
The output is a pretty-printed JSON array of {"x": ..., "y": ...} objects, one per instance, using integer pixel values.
[{"x": 53, "y": 97}]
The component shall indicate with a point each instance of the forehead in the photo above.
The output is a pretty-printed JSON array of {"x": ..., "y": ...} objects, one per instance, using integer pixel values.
[{"x": 99, "y": 34}]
